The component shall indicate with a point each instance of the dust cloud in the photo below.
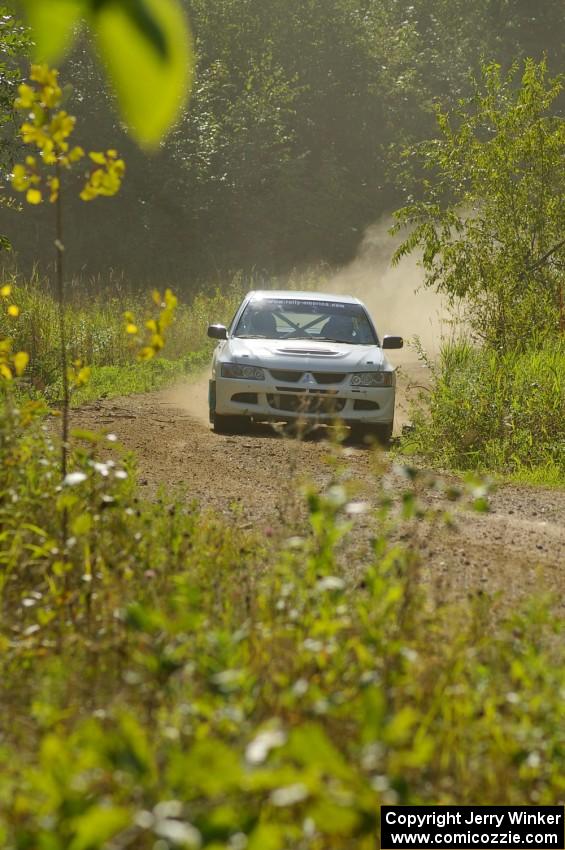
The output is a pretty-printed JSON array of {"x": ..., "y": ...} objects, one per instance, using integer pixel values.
[
  {"x": 395, "y": 295},
  {"x": 191, "y": 396}
]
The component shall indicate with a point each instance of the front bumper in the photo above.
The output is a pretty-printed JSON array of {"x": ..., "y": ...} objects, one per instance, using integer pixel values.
[{"x": 274, "y": 401}]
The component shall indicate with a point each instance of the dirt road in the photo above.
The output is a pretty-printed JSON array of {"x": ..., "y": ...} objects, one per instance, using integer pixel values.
[{"x": 518, "y": 545}]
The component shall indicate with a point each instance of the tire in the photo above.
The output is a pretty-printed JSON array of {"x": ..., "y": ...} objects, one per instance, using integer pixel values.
[
  {"x": 368, "y": 434},
  {"x": 382, "y": 433},
  {"x": 229, "y": 424}
]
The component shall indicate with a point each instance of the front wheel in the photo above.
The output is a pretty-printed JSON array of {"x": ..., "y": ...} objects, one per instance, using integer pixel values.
[
  {"x": 380, "y": 433},
  {"x": 229, "y": 424}
]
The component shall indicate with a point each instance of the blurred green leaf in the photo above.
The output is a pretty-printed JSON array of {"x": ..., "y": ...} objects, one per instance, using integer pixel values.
[
  {"x": 266, "y": 837},
  {"x": 82, "y": 524},
  {"x": 53, "y": 25},
  {"x": 481, "y": 505},
  {"x": 151, "y": 75},
  {"x": 333, "y": 819},
  {"x": 211, "y": 767},
  {"x": 309, "y": 745},
  {"x": 141, "y": 619},
  {"x": 97, "y": 826},
  {"x": 401, "y": 726},
  {"x": 145, "y": 45},
  {"x": 87, "y": 435}
]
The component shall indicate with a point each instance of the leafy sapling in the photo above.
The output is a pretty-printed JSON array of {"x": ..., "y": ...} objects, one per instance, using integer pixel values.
[{"x": 48, "y": 129}]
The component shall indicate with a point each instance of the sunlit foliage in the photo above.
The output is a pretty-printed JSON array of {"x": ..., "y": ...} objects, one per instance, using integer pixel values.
[
  {"x": 48, "y": 128},
  {"x": 491, "y": 222},
  {"x": 151, "y": 337},
  {"x": 12, "y": 364}
]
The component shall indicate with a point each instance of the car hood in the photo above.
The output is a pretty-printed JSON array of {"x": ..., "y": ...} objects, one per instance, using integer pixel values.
[{"x": 308, "y": 355}]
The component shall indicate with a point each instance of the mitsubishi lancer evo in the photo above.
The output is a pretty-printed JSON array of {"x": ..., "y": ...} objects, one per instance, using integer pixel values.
[{"x": 306, "y": 356}]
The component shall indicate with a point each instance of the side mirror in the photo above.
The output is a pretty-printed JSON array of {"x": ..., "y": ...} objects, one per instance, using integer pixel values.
[
  {"x": 393, "y": 342},
  {"x": 217, "y": 332}
]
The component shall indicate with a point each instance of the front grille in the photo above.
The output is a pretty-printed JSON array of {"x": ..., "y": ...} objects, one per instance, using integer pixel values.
[
  {"x": 286, "y": 375},
  {"x": 329, "y": 377},
  {"x": 305, "y": 404}
]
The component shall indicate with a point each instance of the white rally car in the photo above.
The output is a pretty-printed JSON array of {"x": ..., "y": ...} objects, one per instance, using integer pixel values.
[{"x": 302, "y": 355}]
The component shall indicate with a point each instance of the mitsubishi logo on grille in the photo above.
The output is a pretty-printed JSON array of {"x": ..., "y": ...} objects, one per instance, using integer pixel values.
[{"x": 308, "y": 379}]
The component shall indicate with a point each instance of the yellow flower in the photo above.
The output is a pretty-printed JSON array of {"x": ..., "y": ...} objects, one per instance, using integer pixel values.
[
  {"x": 170, "y": 300},
  {"x": 44, "y": 75},
  {"x": 32, "y": 134},
  {"x": 87, "y": 194},
  {"x": 21, "y": 359},
  {"x": 20, "y": 178},
  {"x": 105, "y": 180},
  {"x": 33, "y": 196},
  {"x": 83, "y": 376},
  {"x": 131, "y": 328},
  {"x": 13, "y": 311},
  {"x": 60, "y": 128},
  {"x": 6, "y": 290},
  {"x": 54, "y": 185},
  {"x": 26, "y": 97},
  {"x": 51, "y": 96}
]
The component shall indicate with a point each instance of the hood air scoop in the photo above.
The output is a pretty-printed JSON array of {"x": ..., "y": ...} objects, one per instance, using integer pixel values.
[{"x": 308, "y": 352}]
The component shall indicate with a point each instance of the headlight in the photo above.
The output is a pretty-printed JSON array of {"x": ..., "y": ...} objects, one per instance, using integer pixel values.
[
  {"x": 372, "y": 379},
  {"x": 248, "y": 373}
]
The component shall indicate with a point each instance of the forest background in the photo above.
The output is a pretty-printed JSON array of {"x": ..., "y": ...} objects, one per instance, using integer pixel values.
[{"x": 292, "y": 142}]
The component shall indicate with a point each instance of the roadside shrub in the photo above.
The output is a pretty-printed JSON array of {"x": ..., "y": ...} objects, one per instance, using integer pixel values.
[{"x": 496, "y": 411}]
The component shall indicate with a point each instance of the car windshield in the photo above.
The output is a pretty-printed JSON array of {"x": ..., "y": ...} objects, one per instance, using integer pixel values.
[{"x": 287, "y": 318}]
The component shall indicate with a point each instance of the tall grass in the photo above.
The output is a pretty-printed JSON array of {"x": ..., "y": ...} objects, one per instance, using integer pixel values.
[
  {"x": 95, "y": 324},
  {"x": 496, "y": 411},
  {"x": 169, "y": 680}
]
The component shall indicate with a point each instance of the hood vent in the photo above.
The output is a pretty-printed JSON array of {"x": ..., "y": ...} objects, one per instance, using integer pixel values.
[{"x": 308, "y": 352}]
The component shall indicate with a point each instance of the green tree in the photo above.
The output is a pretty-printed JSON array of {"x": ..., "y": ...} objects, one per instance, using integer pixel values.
[
  {"x": 492, "y": 218},
  {"x": 289, "y": 146},
  {"x": 14, "y": 44}
]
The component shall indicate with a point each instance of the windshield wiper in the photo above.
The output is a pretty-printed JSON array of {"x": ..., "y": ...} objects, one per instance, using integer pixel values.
[
  {"x": 252, "y": 336},
  {"x": 290, "y": 338},
  {"x": 332, "y": 339}
]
